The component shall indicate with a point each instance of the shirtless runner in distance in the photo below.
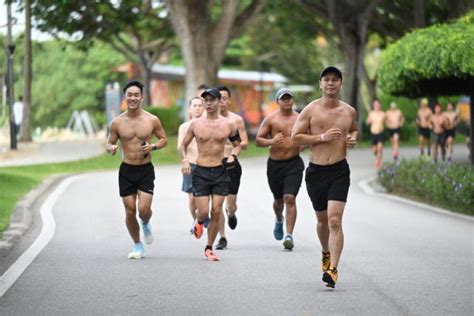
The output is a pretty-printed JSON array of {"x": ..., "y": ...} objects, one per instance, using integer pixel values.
[
  {"x": 210, "y": 178},
  {"x": 438, "y": 122},
  {"x": 135, "y": 128},
  {"x": 453, "y": 120},
  {"x": 394, "y": 120},
  {"x": 329, "y": 126},
  {"x": 284, "y": 166},
  {"x": 376, "y": 119},
  {"x": 423, "y": 120}
]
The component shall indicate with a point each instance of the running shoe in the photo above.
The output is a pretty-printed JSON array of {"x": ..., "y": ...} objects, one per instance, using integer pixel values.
[
  {"x": 222, "y": 244},
  {"x": 288, "y": 242},
  {"x": 210, "y": 256},
  {"x": 147, "y": 233},
  {"x": 198, "y": 229},
  {"x": 326, "y": 261},
  {"x": 138, "y": 252},
  {"x": 206, "y": 222},
  {"x": 330, "y": 277},
  {"x": 232, "y": 221},
  {"x": 278, "y": 229}
]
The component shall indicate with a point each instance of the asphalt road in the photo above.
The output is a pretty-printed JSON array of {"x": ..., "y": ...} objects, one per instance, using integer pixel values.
[{"x": 397, "y": 259}]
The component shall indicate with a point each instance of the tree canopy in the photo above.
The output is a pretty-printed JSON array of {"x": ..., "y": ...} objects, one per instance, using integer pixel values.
[{"x": 438, "y": 60}]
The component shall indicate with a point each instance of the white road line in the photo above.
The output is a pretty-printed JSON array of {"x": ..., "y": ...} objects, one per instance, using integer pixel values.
[
  {"x": 47, "y": 232},
  {"x": 367, "y": 188}
]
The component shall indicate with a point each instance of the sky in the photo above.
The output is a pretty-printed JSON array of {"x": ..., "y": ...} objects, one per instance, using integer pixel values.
[{"x": 20, "y": 24}]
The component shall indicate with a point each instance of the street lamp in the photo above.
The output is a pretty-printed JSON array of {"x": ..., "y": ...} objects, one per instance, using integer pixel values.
[{"x": 10, "y": 98}]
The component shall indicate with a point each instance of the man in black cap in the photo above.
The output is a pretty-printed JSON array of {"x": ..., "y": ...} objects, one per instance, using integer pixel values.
[
  {"x": 210, "y": 178},
  {"x": 329, "y": 126},
  {"x": 284, "y": 166}
]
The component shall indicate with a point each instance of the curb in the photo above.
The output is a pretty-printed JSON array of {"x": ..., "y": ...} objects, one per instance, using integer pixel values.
[
  {"x": 372, "y": 186},
  {"x": 21, "y": 217}
]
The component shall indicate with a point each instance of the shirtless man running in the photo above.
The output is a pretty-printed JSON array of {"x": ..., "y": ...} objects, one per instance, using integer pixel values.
[
  {"x": 235, "y": 173},
  {"x": 376, "y": 119},
  {"x": 329, "y": 126},
  {"x": 210, "y": 178},
  {"x": 135, "y": 128},
  {"x": 423, "y": 120},
  {"x": 284, "y": 166},
  {"x": 438, "y": 122},
  {"x": 394, "y": 120},
  {"x": 453, "y": 120},
  {"x": 196, "y": 108}
]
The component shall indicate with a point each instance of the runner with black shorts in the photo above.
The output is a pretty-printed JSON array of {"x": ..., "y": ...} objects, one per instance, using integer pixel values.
[
  {"x": 452, "y": 121},
  {"x": 210, "y": 177},
  {"x": 423, "y": 121},
  {"x": 376, "y": 120},
  {"x": 439, "y": 122},
  {"x": 329, "y": 126},
  {"x": 394, "y": 120},
  {"x": 234, "y": 169},
  {"x": 135, "y": 128},
  {"x": 284, "y": 166}
]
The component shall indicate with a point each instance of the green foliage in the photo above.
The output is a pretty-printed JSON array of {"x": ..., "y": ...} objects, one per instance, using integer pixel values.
[
  {"x": 170, "y": 118},
  {"x": 449, "y": 186},
  {"x": 68, "y": 79},
  {"x": 436, "y": 52}
]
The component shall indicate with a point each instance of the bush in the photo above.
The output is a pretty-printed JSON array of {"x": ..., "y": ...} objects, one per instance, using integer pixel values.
[
  {"x": 170, "y": 118},
  {"x": 448, "y": 185}
]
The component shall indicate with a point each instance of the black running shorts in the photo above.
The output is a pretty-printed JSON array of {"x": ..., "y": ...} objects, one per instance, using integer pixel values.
[
  {"x": 440, "y": 138},
  {"x": 425, "y": 132},
  {"x": 210, "y": 181},
  {"x": 327, "y": 183},
  {"x": 450, "y": 133},
  {"x": 394, "y": 131},
  {"x": 235, "y": 173},
  {"x": 136, "y": 177},
  {"x": 377, "y": 138},
  {"x": 285, "y": 176}
]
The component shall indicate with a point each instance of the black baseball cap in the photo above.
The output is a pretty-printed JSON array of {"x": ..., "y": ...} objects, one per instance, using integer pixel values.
[
  {"x": 211, "y": 91},
  {"x": 330, "y": 69}
]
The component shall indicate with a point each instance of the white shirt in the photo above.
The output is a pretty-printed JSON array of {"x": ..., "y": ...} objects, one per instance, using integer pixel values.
[{"x": 18, "y": 112}]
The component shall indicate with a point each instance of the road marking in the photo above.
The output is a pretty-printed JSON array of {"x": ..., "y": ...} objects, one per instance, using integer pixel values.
[
  {"x": 368, "y": 189},
  {"x": 47, "y": 232}
]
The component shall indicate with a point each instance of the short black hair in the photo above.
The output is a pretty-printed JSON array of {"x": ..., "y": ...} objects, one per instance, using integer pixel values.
[
  {"x": 221, "y": 87},
  {"x": 203, "y": 87},
  {"x": 135, "y": 83}
]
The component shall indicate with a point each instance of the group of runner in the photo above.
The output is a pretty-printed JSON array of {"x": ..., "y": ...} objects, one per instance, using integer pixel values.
[
  {"x": 441, "y": 124},
  {"x": 209, "y": 145}
]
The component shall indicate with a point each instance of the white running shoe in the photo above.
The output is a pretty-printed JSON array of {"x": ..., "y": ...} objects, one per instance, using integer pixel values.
[
  {"x": 147, "y": 233},
  {"x": 138, "y": 252}
]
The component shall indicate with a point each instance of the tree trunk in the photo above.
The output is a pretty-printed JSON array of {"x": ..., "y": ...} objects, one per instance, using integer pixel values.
[
  {"x": 419, "y": 13},
  {"x": 203, "y": 39},
  {"x": 25, "y": 134},
  {"x": 145, "y": 71}
]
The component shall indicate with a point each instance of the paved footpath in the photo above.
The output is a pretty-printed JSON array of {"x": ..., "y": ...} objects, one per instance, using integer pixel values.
[{"x": 398, "y": 258}]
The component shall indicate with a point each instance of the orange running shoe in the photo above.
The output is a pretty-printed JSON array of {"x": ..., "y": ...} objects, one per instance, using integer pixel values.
[
  {"x": 330, "y": 277},
  {"x": 210, "y": 256},
  {"x": 198, "y": 229},
  {"x": 326, "y": 261}
]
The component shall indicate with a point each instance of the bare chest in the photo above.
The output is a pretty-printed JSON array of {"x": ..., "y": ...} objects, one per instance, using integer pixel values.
[
  {"x": 135, "y": 128},
  {"x": 322, "y": 121},
  {"x": 283, "y": 125},
  {"x": 211, "y": 133}
]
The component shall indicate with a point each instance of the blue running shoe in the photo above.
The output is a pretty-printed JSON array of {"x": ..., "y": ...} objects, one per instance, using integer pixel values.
[
  {"x": 206, "y": 222},
  {"x": 147, "y": 233},
  {"x": 138, "y": 252},
  {"x": 278, "y": 230},
  {"x": 288, "y": 242}
]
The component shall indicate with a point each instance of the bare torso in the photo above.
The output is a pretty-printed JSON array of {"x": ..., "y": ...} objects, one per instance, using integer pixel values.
[
  {"x": 132, "y": 132},
  {"x": 211, "y": 136},
  {"x": 394, "y": 118},
  {"x": 424, "y": 117},
  {"x": 322, "y": 119},
  {"x": 280, "y": 123},
  {"x": 376, "y": 120},
  {"x": 451, "y": 119},
  {"x": 438, "y": 122}
]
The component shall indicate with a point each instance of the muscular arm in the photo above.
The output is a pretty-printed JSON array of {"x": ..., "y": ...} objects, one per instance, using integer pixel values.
[
  {"x": 353, "y": 131},
  {"x": 236, "y": 143},
  {"x": 188, "y": 137},
  {"x": 262, "y": 139},
  {"x": 299, "y": 134},
  {"x": 111, "y": 146},
  {"x": 243, "y": 134},
  {"x": 181, "y": 133},
  {"x": 159, "y": 132}
]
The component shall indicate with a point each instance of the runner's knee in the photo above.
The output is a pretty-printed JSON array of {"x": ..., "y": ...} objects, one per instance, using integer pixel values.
[
  {"x": 289, "y": 199},
  {"x": 334, "y": 223}
]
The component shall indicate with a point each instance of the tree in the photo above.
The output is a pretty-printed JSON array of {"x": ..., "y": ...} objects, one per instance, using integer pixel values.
[
  {"x": 25, "y": 134},
  {"x": 138, "y": 29},
  {"x": 435, "y": 61},
  {"x": 204, "y": 31}
]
